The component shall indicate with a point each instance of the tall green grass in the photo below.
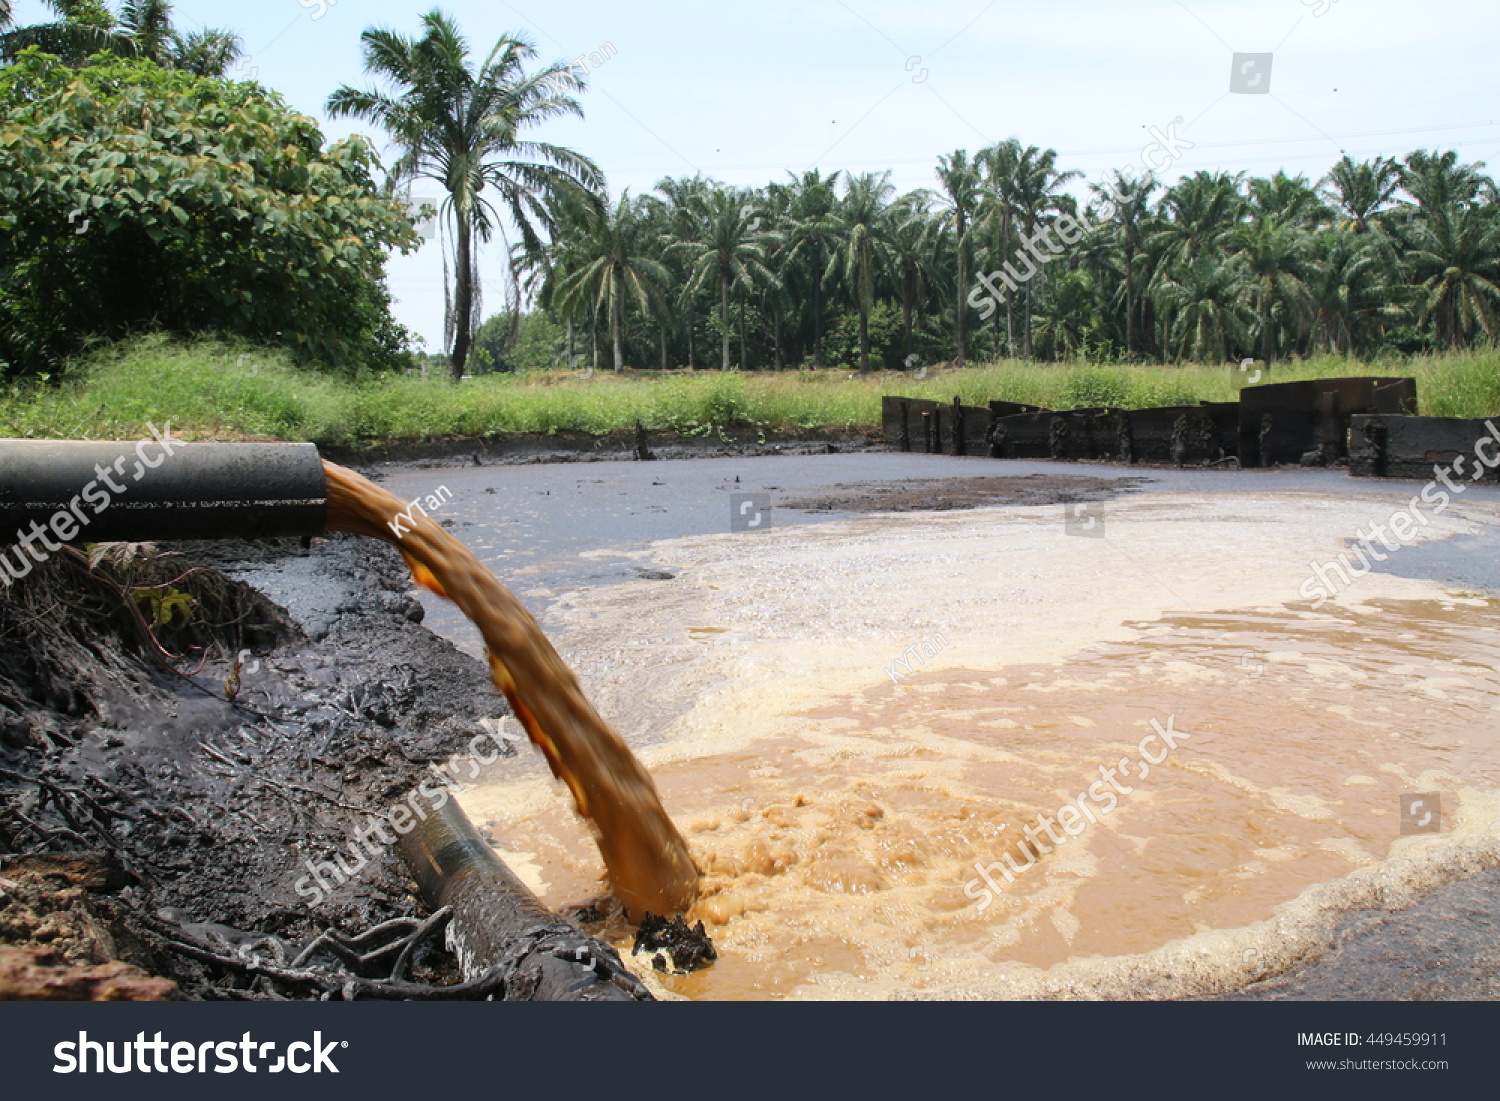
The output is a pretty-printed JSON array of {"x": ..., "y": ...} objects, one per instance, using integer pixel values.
[{"x": 218, "y": 390}]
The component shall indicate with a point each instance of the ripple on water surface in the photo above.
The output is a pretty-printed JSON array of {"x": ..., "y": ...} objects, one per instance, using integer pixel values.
[{"x": 854, "y": 845}]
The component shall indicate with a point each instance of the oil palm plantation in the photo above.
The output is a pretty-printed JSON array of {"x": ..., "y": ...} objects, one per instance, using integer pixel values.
[
  {"x": 863, "y": 229},
  {"x": 811, "y": 231},
  {"x": 731, "y": 252},
  {"x": 1401, "y": 255},
  {"x": 1127, "y": 204},
  {"x": 461, "y": 125},
  {"x": 683, "y": 225},
  {"x": 1454, "y": 256},
  {"x": 612, "y": 265},
  {"x": 961, "y": 196},
  {"x": 1360, "y": 193},
  {"x": 1038, "y": 193},
  {"x": 998, "y": 217},
  {"x": 1275, "y": 266}
]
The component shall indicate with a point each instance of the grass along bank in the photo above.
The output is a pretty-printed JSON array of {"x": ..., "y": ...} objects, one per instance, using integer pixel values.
[{"x": 217, "y": 390}]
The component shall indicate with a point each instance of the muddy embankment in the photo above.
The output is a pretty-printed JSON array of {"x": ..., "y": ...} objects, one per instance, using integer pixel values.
[
  {"x": 524, "y": 448},
  {"x": 175, "y": 748}
]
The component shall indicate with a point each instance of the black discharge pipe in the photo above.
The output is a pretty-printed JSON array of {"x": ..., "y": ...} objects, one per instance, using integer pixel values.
[
  {"x": 499, "y": 924},
  {"x": 73, "y": 491}
]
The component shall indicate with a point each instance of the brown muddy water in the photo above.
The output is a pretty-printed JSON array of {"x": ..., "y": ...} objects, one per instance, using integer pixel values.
[
  {"x": 857, "y": 846},
  {"x": 864, "y": 838}
]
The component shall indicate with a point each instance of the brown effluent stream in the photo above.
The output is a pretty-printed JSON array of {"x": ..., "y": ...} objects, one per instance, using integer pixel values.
[
  {"x": 648, "y": 862},
  {"x": 853, "y": 842}
]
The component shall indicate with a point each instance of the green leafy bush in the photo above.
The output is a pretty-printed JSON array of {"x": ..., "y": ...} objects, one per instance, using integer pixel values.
[{"x": 134, "y": 198}]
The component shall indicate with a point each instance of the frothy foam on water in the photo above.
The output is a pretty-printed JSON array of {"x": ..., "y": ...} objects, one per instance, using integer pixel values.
[{"x": 878, "y": 849}]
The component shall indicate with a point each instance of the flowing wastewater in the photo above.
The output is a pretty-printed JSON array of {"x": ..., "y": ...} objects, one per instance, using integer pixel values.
[{"x": 1136, "y": 766}]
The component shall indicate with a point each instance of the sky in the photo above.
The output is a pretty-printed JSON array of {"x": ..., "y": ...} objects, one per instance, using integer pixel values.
[{"x": 747, "y": 93}]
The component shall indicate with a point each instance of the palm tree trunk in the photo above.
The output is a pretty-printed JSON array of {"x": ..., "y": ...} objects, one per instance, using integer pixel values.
[
  {"x": 724, "y": 315},
  {"x": 570, "y": 343},
  {"x": 692, "y": 323},
  {"x": 958, "y": 313},
  {"x": 1030, "y": 292},
  {"x": 463, "y": 295},
  {"x": 865, "y": 297},
  {"x": 1010, "y": 316},
  {"x": 615, "y": 325},
  {"x": 744, "y": 353},
  {"x": 818, "y": 309},
  {"x": 906, "y": 318}
]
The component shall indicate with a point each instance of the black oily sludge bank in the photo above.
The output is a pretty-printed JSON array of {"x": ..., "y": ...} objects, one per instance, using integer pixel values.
[
  {"x": 1366, "y": 424},
  {"x": 153, "y": 811}
]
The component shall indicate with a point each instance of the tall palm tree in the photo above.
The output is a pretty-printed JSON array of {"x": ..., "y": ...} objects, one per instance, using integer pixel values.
[
  {"x": 1203, "y": 302},
  {"x": 1348, "y": 291},
  {"x": 1289, "y": 199},
  {"x": 460, "y": 126},
  {"x": 1198, "y": 211},
  {"x": 613, "y": 265},
  {"x": 812, "y": 230},
  {"x": 777, "y": 304},
  {"x": 1361, "y": 192},
  {"x": 863, "y": 246},
  {"x": 913, "y": 236},
  {"x": 961, "y": 196},
  {"x": 1275, "y": 266},
  {"x": 732, "y": 251},
  {"x": 998, "y": 216},
  {"x": 1455, "y": 257},
  {"x": 1126, "y": 234},
  {"x": 1038, "y": 192},
  {"x": 1439, "y": 183},
  {"x": 684, "y": 226}
]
